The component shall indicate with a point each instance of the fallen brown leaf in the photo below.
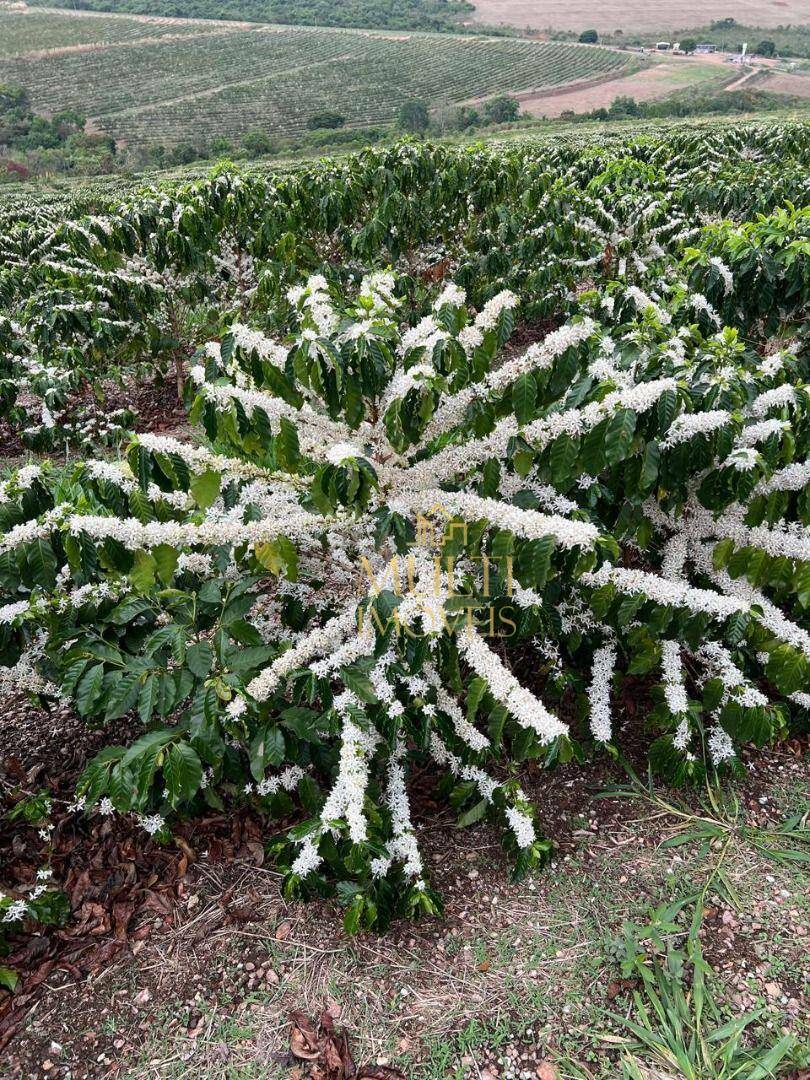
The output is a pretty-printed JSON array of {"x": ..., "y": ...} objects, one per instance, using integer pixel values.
[{"x": 303, "y": 1037}]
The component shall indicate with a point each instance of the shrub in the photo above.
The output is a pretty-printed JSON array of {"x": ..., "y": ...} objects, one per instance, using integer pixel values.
[
  {"x": 589, "y": 37},
  {"x": 688, "y": 45},
  {"x": 257, "y": 143},
  {"x": 502, "y": 110},
  {"x": 326, "y": 120},
  {"x": 386, "y": 519},
  {"x": 413, "y": 117}
]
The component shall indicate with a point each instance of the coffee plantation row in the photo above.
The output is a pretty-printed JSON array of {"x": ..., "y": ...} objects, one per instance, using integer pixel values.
[
  {"x": 228, "y": 79},
  {"x": 485, "y": 436}
]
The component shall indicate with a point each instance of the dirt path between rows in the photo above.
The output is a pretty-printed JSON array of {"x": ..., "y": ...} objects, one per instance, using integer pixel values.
[{"x": 527, "y": 97}]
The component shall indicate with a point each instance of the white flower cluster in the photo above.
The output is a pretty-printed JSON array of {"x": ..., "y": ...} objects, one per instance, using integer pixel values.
[
  {"x": 689, "y": 425},
  {"x": 720, "y": 665},
  {"x": 669, "y": 593},
  {"x": 426, "y": 335},
  {"x": 793, "y": 477},
  {"x": 537, "y": 358},
  {"x": 724, "y": 272},
  {"x": 318, "y": 642},
  {"x": 602, "y": 672},
  {"x": 739, "y": 591},
  {"x": 521, "y": 704},
  {"x": 779, "y": 397},
  {"x": 672, "y": 669},
  {"x": 254, "y": 341},
  {"x": 348, "y": 793},
  {"x": 721, "y": 748},
  {"x": 529, "y": 524}
]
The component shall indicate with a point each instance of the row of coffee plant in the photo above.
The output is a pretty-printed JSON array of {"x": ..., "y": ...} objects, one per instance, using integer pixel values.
[{"x": 135, "y": 288}]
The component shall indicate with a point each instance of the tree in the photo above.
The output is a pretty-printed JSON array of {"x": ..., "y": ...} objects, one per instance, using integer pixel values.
[
  {"x": 413, "y": 117},
  {"x": 455, "y": 118},
  {"x": 184, "y": 154},
  {"x": 688, "y": 45},
  {"x": 12, "y": 97},
  {"x": 502, "y": 110},
  {"x": 589, "y": 37},
  {"x": 325, "y": 120},
  {"x": 765, "y": 48},
  {"x": 220, "y": 145},
  {"x": 624, "y": 105},
  {"x": 257, "y": 143}
]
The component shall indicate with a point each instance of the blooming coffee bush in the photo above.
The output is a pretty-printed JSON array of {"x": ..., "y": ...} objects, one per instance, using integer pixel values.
[{"x": 411, "y": 544}]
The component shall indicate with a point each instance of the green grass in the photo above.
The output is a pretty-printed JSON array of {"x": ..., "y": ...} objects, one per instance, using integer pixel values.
[{"x": 227, "y": 81}]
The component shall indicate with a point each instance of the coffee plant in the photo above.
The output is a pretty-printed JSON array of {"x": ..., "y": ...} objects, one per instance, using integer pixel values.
[{"x": 404, "y": 537}]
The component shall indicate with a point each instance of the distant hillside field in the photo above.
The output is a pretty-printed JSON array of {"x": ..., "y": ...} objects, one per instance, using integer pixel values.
[
  {"x": 150, "y": 81},
  {"x": 637, "y": 15},
  {"x": 382, "y": 14}
]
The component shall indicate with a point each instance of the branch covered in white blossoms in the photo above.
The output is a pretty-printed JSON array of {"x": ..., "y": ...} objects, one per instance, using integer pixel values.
[{"x": 398, "y": 546}]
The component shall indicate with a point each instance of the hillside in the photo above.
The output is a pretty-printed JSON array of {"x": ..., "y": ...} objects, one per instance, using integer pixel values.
[
  {"x": 404, "y": 15},
  {"x": 146, "y": 81},
  {"x": 632, "y": 16}
]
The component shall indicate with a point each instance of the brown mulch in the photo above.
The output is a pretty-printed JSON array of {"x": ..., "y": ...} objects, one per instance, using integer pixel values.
[{"x": 121, "y": 885}]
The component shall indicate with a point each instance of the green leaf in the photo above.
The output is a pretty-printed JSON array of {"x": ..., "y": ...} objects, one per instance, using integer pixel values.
[
  {"x": 649, "y": 465},
  {"x": 562, "y": 455},
  {"x": 475, "y": 694},
  {"x": 788, "y": 669},
  {"x": 539, "y": 559},
  {"x": 147, "y": 699},
  {"x": 619, "y": 435},
  {"x": 288, "y": 450},
  {"x": 8, "y": 978},
  {"x": 354, "y": 912},
  {"x": 142, "y": 574},
  {"x": 199, "y": 659},
  {"x": 182, "y": 771},
  {"x": 524, "y": 393},
  {"x": 41, "y": 563},
  {"x": 666, "y": 409},
  {"x": 128, "y": 610},
  {"x": 165, "y": 557},
  {"x": 205, "y": 488},
  {"x": 302, "y": 722},
  {"x": 123, "y": 696},
  {"x": 267, "y": 747},
  {"x": 359, "y": 683},
  {"x": 475, "y": 813},
  {"x": 89, "y": 690}
]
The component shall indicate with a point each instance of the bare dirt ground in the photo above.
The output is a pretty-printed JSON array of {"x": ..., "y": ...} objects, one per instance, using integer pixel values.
[
  {"x": 637, "y": 15},
  {"x": 657, "y": 81},
  {"x": 785, "y": 83}
]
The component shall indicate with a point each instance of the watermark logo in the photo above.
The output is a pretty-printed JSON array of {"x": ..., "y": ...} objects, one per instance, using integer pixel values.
[{"x": 425, "y": 582}]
